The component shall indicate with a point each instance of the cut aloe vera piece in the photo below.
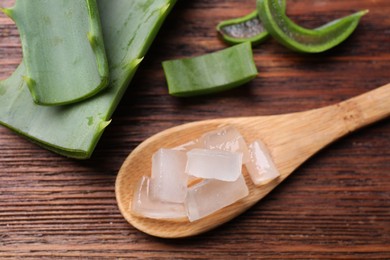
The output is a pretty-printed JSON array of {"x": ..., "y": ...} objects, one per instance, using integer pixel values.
[
  {"x": 129, "y": 28},
  {"x": 210, "y": 73},
  {"x": 63, "y": 49},
  {"x": 246, "y": 28},
  {"x": 300, "y": 39}
]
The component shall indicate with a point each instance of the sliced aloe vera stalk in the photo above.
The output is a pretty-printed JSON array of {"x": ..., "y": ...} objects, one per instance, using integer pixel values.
[
  {"x": 301, "y": 39},
  {"x": 247, "y": 28},
  {"x": 210, "y": 73},
  {"x": 63, "y": 49},
  {"x": 129, "y": 28}
]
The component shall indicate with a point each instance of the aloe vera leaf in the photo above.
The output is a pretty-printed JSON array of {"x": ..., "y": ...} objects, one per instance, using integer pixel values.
[
  {"x": 210, "y": 73},
  {"x": 63, "y": 49},
  {"x": 300, "y": 39},
  {"x": 246, "y": 28},
  {"x": 129, "y": 28}
]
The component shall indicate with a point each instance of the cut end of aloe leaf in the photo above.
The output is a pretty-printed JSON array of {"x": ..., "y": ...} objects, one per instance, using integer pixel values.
[{"x": 248, "y": 28}]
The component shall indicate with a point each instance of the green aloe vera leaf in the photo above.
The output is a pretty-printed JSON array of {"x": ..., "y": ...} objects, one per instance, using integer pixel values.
[
  {"x": 300, "y": 39},
  {"x": 210, "y": 73},
  {"x": 129, "y": 28},
  {"x": 63, "y": 49},
  {"x": 246, "y": 28}
]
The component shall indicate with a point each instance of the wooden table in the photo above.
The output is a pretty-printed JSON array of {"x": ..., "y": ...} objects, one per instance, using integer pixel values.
[{"x": 337, "y": 205}]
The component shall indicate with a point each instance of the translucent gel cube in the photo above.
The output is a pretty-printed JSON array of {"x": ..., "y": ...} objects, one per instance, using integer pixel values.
[
  {"x": 209, "y": 196},
  {"x": 226, "y": 139},
  {"x": 214, "y": 164},
  {"x": 169, "y": 180},
  {"x": 261, "y": 167},
  {"x": 146, "y": 206}
]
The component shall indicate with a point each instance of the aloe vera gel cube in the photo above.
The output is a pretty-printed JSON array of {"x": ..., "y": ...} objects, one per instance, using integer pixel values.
[
  {"x": 169, "y": 180},
  {"x": 202, "y": 175},
  {"x": 214, "y": 164},
  {"x": 261, "y": 167},
  {"x": 209, "y": 196},
  {"x": 144, "y": 205},
  {"x": 226, "y": 139}
]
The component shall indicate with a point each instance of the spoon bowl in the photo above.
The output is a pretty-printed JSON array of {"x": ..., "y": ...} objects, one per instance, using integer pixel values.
[{"x": 291, "y": 139}]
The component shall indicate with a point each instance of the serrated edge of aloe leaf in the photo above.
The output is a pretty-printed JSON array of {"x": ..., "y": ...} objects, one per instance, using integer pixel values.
[
  {"x": 71, "y": 153},
  {"x": 274, "y": 29},
  {"x": 133, "y": 64}
]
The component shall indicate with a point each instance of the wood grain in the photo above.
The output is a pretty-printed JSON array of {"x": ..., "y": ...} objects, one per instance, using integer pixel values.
[{"x": 336, "y": 206}]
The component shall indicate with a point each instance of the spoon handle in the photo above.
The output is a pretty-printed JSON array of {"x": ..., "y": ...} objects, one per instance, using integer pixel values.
[
  {"x": 293, "y": 138},
  {"x": 366, "y": 108}
]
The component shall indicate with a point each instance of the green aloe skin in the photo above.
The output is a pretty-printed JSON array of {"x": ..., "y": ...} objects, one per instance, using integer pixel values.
[
  {"x": 129, "y": 28},
  {"x": 247, "y": 28},
  {"x": 300, "y": 39},
  {"x": 63, "y": 49},
  {"x": 212, "y": 72}
]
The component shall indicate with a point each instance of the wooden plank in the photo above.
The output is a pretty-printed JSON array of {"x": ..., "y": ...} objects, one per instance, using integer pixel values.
[{"x": 337, "y": 205}]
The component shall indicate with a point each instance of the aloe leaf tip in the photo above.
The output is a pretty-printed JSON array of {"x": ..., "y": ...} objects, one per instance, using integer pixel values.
[{"x": 363, "y": 12}]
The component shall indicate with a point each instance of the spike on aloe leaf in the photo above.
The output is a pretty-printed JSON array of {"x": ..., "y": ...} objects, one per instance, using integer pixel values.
[
  {"x": 31, "y": 85},
  {"x": 133, "y": 64},
  {"x": 164, "y": 9},
  {"x": 7, "y": 11},
  {"x": 29, "y": 81},
  {"x": 92, "y": 39},
  {"x": 104, "y": 124}
]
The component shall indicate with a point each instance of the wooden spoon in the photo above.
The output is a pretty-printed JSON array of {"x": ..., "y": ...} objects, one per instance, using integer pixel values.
[{"x": 291, "y": 139}]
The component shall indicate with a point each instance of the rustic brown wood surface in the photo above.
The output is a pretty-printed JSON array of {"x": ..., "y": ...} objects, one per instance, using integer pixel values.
[{"x": 335, "y": 206}]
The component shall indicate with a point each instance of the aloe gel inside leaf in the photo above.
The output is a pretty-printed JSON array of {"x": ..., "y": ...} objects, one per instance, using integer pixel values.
[
  {"x": 246, "y": 28},
  {"x": 74, "y": 130},
  {"x": 63, "y": 49}
]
